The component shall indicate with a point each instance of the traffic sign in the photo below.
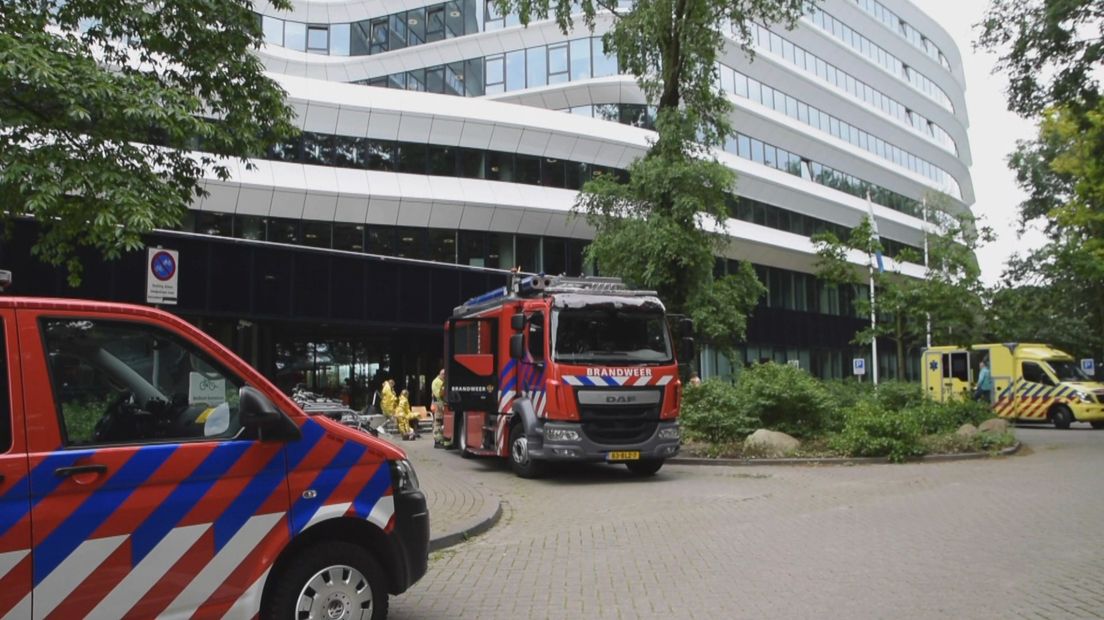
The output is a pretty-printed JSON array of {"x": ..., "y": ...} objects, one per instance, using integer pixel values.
[
  {"x": 162, "y": 274},
  {"x": 1089, "y": 366},
  {"x": 858, "y": 366}
]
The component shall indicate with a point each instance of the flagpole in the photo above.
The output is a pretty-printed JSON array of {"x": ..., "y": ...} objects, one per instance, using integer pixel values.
[
  {"x": 927, "y": 330},
  {"x": 873, "y": 312}
]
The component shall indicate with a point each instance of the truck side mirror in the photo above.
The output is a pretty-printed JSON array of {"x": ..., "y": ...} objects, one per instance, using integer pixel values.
[
  {"x": 517, "y": 322},
  {"x": 686, "y": 350},
  {"x": 686, "y": 328},
  {"x": 517, "y": 346},
  {"x": 256, "y": 411}
]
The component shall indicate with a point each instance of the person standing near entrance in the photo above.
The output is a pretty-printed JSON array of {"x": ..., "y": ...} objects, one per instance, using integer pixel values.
[
  {"x": 984, "y": 389},
  {"x": 387, "y": 398},
  {"x": 405, "y": 417},
  {"x": 437, "y": 388}
]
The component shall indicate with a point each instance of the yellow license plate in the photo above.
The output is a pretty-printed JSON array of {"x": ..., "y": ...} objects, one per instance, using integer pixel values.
[{"x": 623, "y": 456}]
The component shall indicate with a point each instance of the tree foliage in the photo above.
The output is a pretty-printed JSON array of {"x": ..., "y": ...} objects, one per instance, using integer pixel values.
[
  {"x": 950, "y": 293},
  {"x": 1052, "y": 51},
  {"x": 655, "y": 230},
  {"x": 100, "y": 102}
]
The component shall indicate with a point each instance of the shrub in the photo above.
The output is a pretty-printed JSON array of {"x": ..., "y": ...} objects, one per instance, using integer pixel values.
[
  {"x": 846, "y": 393},
  {"x": 786, "y": 399},
  {"x": 712, "y": 412},
  {"x": 899, "y": 395},
  {"x": 871, "y": 430}
]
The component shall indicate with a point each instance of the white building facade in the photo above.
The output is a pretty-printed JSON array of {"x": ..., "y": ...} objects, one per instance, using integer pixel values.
[{"x": 445, "y": 132}]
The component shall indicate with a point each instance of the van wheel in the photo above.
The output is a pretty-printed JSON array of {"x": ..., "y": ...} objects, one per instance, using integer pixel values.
[
  {"x": 1061, "y": 416},
  {"x": 329, "y": 580},
  {"x": 646, "y": 467},
  {"x": 520, "y": 461},
  {"x": 1098, "y": 425},
  {"x": 460, "y": 439}
]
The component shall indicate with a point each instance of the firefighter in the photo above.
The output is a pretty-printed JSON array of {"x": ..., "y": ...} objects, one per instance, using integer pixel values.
[
  {"x": 404, "y": 417},
  {"x": 438, "y": 390},
  {"x": 387, "y": 398}
]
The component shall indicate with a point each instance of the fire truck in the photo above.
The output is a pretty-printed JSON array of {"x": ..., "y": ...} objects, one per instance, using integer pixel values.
[{"x": 551, "y": 368}]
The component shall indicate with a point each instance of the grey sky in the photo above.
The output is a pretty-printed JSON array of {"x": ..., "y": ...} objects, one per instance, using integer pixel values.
[{"x": 993, "y": 134}]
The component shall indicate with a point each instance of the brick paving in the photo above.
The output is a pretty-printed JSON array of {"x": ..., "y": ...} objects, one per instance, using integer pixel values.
[{"x": 1016, "y": 537}]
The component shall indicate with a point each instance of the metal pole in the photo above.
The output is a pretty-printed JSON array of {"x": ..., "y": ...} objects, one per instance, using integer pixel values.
[
  {"x": 927, "y": 328},
  {"x": 873, "y": 311}
]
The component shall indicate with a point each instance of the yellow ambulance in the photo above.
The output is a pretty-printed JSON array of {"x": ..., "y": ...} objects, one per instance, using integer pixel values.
[{"x": 1031, "y": 382}]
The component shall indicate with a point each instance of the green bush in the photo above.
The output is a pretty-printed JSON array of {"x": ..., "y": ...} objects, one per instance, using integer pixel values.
[
  {"x": 784, "y": 398},
  {"x": 899, "y": 395},
  {"x": 846, "y": 393},
  {"x": 711, "y": 412},
  {"x": 871, "y": 430}
]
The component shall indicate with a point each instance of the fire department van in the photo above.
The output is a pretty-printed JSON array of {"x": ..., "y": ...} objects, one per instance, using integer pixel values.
[
  {"x": 146, "y": 471},
  {"x": 564, "y": 369},
  {"x": 1031, "y": 382}
]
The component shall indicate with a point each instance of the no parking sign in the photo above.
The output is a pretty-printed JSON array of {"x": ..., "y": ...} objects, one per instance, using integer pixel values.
[{"x": 162, "y": 273}]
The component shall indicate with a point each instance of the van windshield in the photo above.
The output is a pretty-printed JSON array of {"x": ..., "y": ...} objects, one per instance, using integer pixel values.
[
  {"x": 1067, "y": 370},
  {"x": 610, "y": 335}
]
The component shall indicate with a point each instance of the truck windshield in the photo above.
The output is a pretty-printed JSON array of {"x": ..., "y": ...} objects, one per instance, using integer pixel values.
[
  {"x": 610, "y": 335},
  {"x": 1067, "y": 370}
]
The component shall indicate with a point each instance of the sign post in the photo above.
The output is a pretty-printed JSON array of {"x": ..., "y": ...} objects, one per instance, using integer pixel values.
[{"x": 162, "y": 275}]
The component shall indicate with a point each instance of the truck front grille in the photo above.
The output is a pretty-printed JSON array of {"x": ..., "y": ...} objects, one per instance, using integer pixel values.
[{"x": 613, "y": 425}]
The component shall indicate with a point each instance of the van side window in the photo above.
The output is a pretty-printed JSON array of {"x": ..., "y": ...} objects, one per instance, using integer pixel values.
[
  {"x": 5, "y": 396},
  {"x": 1034, "y": 373},
  {"x": 119, "y": 382},
  {"x": 536, "y": 336},
  {"x": 960, "y": 366}
]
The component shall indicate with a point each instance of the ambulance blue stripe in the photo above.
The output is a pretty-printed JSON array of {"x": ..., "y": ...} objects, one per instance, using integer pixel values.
[
  {"x": 190, "y": 492},
  {"x": 1062, "y": 392},
  {"x": 324, "y": 484},
  {"x": 97, "y": 508},
  {"x": 263, "y": 484},
  {"x": 1037, "y": 391},
  {"x": 366, "y": 500},
  {"x": 41, "y": 482}
]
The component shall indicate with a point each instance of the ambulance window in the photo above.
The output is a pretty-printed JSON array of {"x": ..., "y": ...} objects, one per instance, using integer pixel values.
[
  {"x": 5, "y": 396},
  {"x": 117, "y": 382},
  {"x": 960, "y": 366},
  {"x": 536, "y": 336},
  {"x": 1034, "y": 373}
]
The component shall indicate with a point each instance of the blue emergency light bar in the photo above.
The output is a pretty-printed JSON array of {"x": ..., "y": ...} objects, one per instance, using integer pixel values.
[{"x": 485, "y": 297}]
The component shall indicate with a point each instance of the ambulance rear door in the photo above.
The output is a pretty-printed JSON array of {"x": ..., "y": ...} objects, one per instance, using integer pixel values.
[{"x": 15, "y": 501}]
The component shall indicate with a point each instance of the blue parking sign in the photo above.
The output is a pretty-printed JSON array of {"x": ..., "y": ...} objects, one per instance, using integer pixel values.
[
  {"x": 858, "y": 366},
  {"x": 1089, "y": 366}
]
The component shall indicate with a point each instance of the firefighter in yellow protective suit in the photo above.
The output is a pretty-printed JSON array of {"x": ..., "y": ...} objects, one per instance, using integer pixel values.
[
  {"x": 405, "y": 418},
  {"x": 387, "y": 398}
]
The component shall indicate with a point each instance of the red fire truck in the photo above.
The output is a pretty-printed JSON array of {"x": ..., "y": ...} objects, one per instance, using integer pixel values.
[{"x": 564, "y": 369}]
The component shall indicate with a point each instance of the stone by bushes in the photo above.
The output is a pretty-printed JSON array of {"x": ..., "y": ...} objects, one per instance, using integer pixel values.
[{"x": 770, "y": 444}]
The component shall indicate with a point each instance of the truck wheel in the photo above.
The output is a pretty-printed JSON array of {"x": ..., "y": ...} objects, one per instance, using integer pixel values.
[
  {"x": 646, "y": 467},
  {"x": 1098, "y": 425},
  {"x": 520, "y": 461},
  {"x": 1061, "y": 416},
  {"x": 329, "y": 580}
]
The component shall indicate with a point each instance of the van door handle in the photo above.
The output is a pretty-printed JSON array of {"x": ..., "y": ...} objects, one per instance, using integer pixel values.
[{"x": 65, "y": 472}]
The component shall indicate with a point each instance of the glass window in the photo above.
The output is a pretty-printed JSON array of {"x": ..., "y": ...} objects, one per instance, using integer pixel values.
[
  {"x": 415, "y": 26},
  {"x": 273, "y": 30},
  {"x": 472, "y": 248},
  {"x": 527, "y": 169},
  {"x": 411, "y": 243},
  {"x": 318, "y": 39},
  {"x": 295, "y": 36},
  {"x": 442, "y": 160},
  {"x": 117, "y": 382},
  {"x": 454, "y": 20},
  {"x": 499, "y": 166},
  {"x": 349, "y": 152},
  {"x": 495, "y": 74},
  {"x": 381, "y": 240},
  {"x": 537, "y": 73},
  {"x": 557, "y": 63},
  {"x": 380, "y": 36},
  {"x": 397, "y": 28},
  {"x": 360, "y": 38},
  {"x": 473, "y": 77},
  {"x": 317, "y": 234},
  {"x": 318, "y": 148},
  {"x": 604, "y": 64},
  {"x": 249, "y": 227},
  {"x": 743, "y": 144},
  {"x": 381, "y": 155},
  {"x": 472, "y": 15},
  {"x": 435, "y": 80},
  {"x": 283, "y": 230},
  {"x": 553, "y": 173},
  {"x": 442, "y": 245},
  {"x": 412, "y": 158},
  {"x": 454, "y": 79},
  {"x": 415, "y": 80},
  {"x": 348, "y": 237},
  {"x": 580, "y": 59},
  {"x": 339, "y": 39},
  {"x": 435, "y": 23},
  {"x": 555, "y": 255},
  {"x": 529, "y": 253},
  {"x": 500, "y": 251},
  {"x": 492, "y": 20},
  {"x": 515, "y": 70},
  {"x": 757, "y": 151},
  {"x": 470, "y": 163},
  {"x": 211, "y": 223}
]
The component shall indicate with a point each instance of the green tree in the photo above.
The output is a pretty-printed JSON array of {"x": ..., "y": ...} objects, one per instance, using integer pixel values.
[
  {"x": 654, "y": 230},
  {"x": 101, "y": 102},
  {"x": 949, "y": 295}
]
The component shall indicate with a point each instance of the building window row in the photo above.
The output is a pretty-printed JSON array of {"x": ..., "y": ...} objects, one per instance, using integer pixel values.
[
  {"x": 577, "y": 59},
  {"x": 892, "y": 21},
  {"x": 813, "y": 64},
  {"x": 633, "y": 114},
  {"x": 437, "y": 160},
  {"x": 835, "y": 27},
  {"x": 749, "y": 88},
  {"x": 534, "y": 254}
]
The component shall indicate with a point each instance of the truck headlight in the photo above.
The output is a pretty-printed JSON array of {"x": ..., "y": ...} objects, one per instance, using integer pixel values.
[
  {"x": 403, "y": 476},
  {"x": 1084, "y": 397},
  {"x": 560, "y": 434},
  {"x": 671, "y": 432}
]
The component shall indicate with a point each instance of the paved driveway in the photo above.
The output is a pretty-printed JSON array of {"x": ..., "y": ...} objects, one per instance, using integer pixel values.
[{"x": 1001, "y": 538}]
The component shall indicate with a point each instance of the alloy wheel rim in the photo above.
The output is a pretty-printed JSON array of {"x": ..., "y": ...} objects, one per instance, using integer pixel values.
[{"x": 336, "y": 592}]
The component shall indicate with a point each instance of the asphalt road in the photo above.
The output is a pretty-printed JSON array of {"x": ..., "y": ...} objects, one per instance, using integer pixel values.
[{"x": 1016, "y": 537}]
